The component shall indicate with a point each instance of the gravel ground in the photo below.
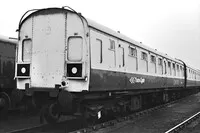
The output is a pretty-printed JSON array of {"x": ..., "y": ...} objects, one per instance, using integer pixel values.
[
  {"x": 21, "y": 121},
  {"x": 162, "y": 120},
  {"x": 158, "y": 121}
]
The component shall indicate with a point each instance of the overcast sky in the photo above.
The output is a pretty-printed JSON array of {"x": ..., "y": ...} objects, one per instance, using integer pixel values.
[{"x": 170, "y": 26}]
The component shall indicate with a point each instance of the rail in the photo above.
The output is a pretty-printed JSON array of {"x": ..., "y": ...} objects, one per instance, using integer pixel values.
[{"x": 183, "y": 124}]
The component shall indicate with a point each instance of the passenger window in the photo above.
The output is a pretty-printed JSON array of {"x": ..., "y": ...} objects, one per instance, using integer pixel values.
[
  {"x": 121, "y": 57},
  {"x": 144, "y": 56},
  {"x": 152, "y": 64},
  {"x": 174, "y": 70},
  {"x": 188, "y": 73},
  {"x": 132, "y": 59},
  {"x": 153, "y": 59},
  {"x": 132, "y": 51},
  {"x": 160, "y": 61},
  {"x": 178, "y": 70},
  {"x": 181, "y": 71},
  {"x": 112, "y": 44},
  {"x": 160, "y": 66},
  {"x": 169, "y": 68},
  {"x": 165, "y": 68},
  {"x": 192, "y": 74}
]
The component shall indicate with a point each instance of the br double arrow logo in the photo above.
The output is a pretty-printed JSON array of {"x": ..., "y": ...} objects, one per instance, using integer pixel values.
[{"x": 134, "y": 80}]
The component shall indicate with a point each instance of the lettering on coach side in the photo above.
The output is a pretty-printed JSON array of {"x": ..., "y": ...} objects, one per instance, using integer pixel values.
[{"x": 134, "y": 80}]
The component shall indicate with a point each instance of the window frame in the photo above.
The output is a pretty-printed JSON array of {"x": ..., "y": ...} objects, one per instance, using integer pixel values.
[
  {"x": 143, "y": 57},
  {"x": 160, "y": 61},
  {"x": 165, "y": 66},
  {"x": 152, "y": 61},
  {"x": 181, "y": 71},
  {"x": 68, "y": 48},
  {"x": 22, "y": 48},
  {"x": 110, "y": 46},
  {"x": 174, "y": 67},
  {"x": 169, "y": 66},
  {"x": 134, "y": 49},
  {"x": 178, "y": 70}
]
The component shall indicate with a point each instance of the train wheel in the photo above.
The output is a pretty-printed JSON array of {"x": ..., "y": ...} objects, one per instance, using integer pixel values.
[
  {"x": 65, "y": 99},
  {"x": 50, "y": 113},
  {"x": 4, "y": 104}
]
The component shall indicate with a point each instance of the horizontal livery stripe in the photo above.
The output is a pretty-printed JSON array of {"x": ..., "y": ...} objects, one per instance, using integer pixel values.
[{"x": 110, "y": 81}]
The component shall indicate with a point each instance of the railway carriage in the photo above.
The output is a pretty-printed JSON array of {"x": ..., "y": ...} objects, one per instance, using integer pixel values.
[
  {"x": 78, "y": 67},
  {"x": 192, "y": 77},
  {"x": 7, "y": 70}
]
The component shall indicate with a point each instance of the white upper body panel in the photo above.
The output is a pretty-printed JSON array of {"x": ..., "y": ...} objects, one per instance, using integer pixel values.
[{"x": 51, "y": 36}]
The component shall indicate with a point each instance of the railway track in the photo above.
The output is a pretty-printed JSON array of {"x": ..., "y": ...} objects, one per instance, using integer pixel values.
[
  {"x": 48, "y": 128},
  {"x": 183, "y": 124},
  {"x": 29, "y": 129},
  {"x": 119, "y": 122},
  {"x": 72, "y": 126}
]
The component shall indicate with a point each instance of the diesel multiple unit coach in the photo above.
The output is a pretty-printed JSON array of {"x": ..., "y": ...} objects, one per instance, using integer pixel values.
[{"x": 69, "y": 65}]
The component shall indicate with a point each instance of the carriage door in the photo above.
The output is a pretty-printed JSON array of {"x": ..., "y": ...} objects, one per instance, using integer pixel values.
[
  {"x": 121, "y": 56},
  {"x": 121, "y": 65},
  {"x": 165, "y": 73}
]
